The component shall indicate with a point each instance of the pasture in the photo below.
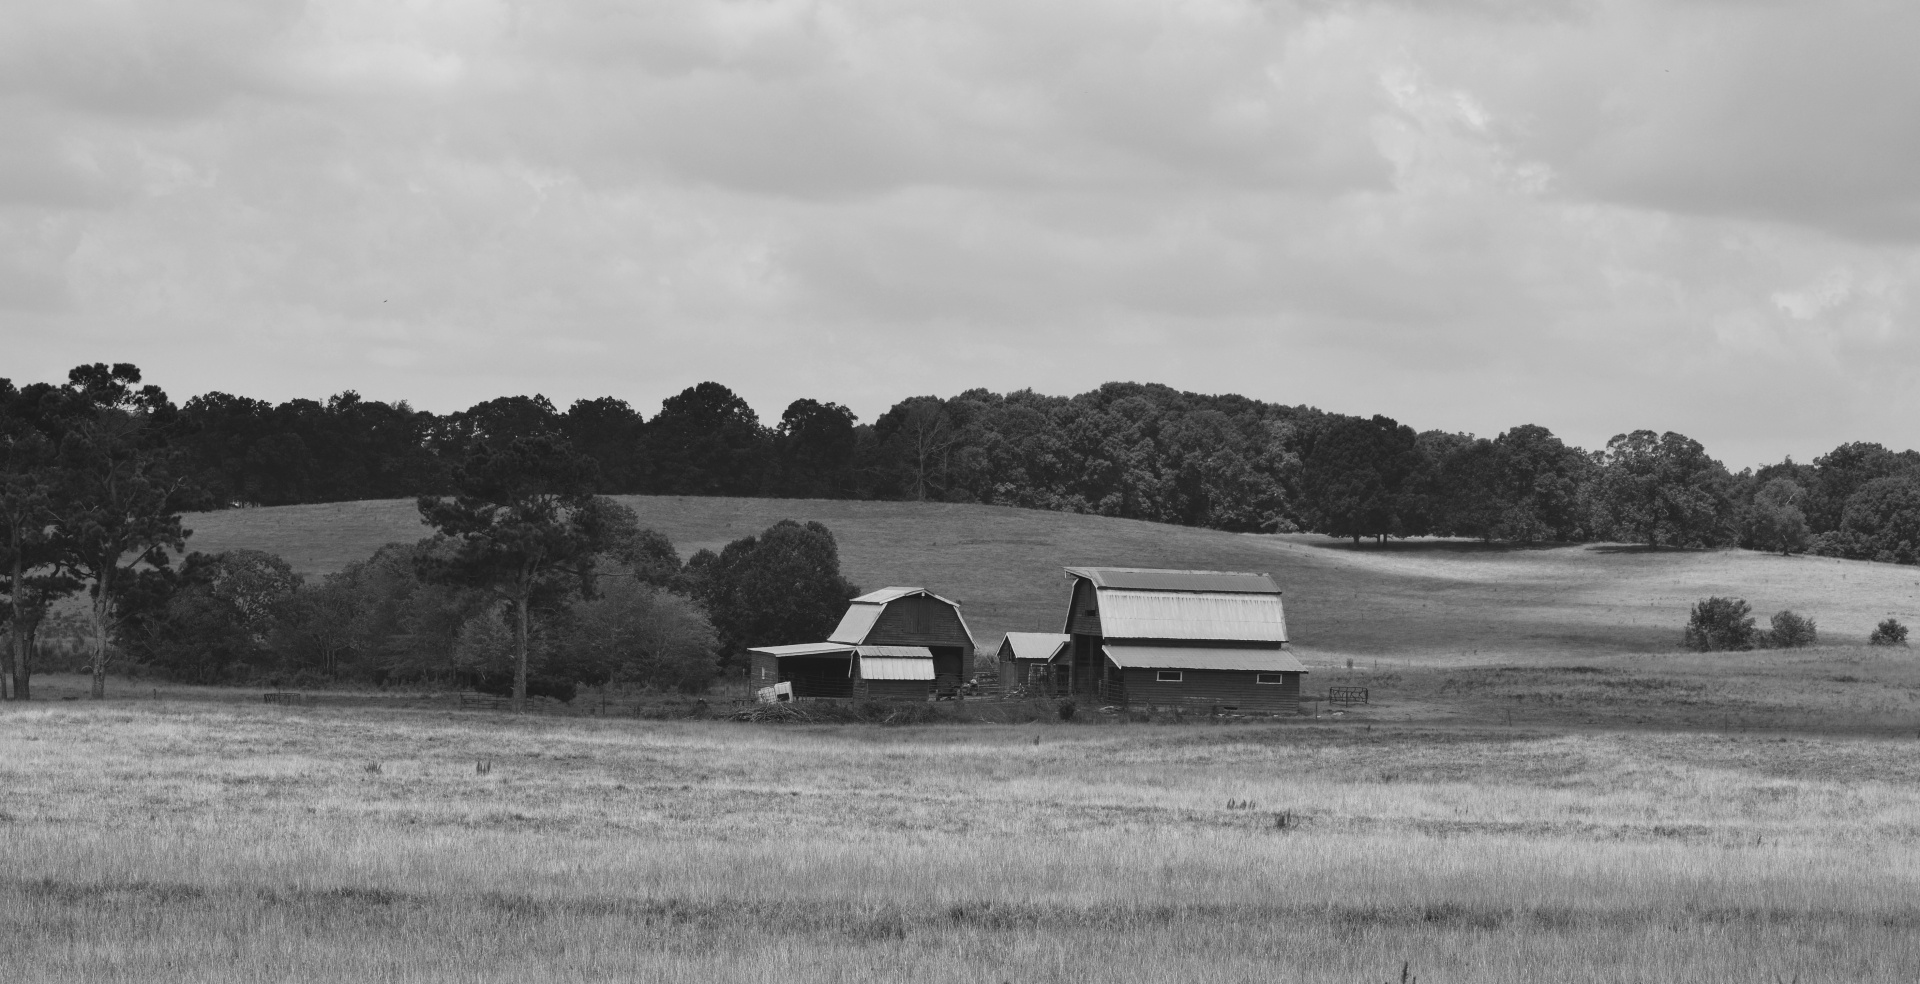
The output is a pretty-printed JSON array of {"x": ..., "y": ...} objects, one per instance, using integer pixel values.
[
  {"x": 1426, "y": 603},
  {"x": 154, "y": 840}
]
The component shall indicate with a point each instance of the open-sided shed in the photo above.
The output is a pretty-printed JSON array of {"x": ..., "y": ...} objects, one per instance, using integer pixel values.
[
  {"x": 1025, "y": 657},
  {"x": 1156, "y": 636},
  {"x": 828, "y": 669}
]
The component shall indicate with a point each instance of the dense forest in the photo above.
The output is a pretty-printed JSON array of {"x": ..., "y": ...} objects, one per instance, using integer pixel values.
[{"x": 96, "y": 472}]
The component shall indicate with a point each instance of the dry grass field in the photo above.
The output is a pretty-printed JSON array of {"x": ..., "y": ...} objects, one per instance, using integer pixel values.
[
  {"x": 1429, "y": 602},
  {"x": 182, "y": 840},
  {"x": 1544, "y": 789}
]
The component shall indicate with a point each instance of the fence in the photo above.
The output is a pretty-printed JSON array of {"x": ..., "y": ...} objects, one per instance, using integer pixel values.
[{"x": 1346, "y": 695}]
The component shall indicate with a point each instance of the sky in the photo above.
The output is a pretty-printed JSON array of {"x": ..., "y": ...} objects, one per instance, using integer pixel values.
[{"x": 1690, "y": 215}]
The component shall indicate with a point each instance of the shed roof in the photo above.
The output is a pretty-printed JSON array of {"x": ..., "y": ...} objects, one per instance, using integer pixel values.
[
  {"x": 1132, "y": 578},
  {"x": 885, "y": 668},
  {"x": 1197, "y": 658},
  {"x": 1035, "y": 645},
  {"x": 885, "y": 595},
  {"x": 1224, "y": 616},
  {"x": 805, "y": 649}
]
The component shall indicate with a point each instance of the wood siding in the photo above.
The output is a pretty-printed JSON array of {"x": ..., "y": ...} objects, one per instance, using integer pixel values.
[
  {"x": 893, "y": 689},
  {"x": 1237, "y": 689},
  {"x": 1083, "y": 617},
  {"x": 919, "y": 621}
]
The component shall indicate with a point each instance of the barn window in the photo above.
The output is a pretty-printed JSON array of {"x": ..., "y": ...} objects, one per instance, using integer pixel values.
[
  {"x": 1167, "y": 676},
  {"x": 1270, "y": 678}
]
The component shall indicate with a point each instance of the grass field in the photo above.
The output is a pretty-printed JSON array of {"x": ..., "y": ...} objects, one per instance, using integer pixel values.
[
  {"x": 1426, "y": 602},
  {"x": 185, "y": 840}
]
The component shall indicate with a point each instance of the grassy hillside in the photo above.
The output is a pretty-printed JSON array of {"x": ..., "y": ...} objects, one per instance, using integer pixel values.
[{"x": 1438, "y": 601}]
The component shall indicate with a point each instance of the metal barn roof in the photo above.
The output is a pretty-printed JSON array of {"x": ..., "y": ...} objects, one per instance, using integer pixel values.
[
  {"x": 1136, "y": 579},
  {"x": 885, "y": 595},
  {"x": 1190, "y": 615},
  {"x": 1036, "y": 645},
  {"x": 884, "y": 668},
  {"x": 856, "y": 623},
  {"x": 1196, "y": 658}
]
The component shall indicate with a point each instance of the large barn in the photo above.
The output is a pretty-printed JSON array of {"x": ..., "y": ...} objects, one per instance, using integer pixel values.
[
  {"x": 1180, "y": 637},
  {"x": 894, "y": 642}
]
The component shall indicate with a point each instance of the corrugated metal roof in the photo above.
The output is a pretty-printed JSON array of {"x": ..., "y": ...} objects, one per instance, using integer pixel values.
[
  {"x": 1037, "y": 645},
  {"x": 1197, "y": 658},
  {"x": 1136, "y": 579},
  {"x": 856, "y": 623},
  {"x": 896, "y": 652},
  {"x": 1190, "y": 615},
  {"x": 805, "y": 649},
  {"x": 883, "y": 668},
  {"x": 885, "y": 595}
]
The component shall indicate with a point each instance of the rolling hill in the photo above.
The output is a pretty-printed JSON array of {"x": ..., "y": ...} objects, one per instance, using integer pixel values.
[{"x": 1430, "y": 601}]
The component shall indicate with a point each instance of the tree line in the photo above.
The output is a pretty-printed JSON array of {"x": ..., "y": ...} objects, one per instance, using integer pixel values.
[{"x": 1138, "y": 451}]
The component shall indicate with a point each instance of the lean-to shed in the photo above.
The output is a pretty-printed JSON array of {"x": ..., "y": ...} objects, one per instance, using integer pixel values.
[
  {"x": 1155, "y": 636},
  {"x": 829, "y": 669},
  {"x": 1024, "y": 657}
]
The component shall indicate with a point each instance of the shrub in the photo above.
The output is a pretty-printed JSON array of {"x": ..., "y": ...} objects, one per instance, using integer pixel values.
[
  {"x": 1718, "y": 624},
  {"x": 1889, "y": 633},
  {"x": 1789, "y": 631}
]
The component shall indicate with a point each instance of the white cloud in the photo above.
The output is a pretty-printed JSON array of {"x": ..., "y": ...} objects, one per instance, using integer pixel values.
[{"x": 1596, "y": 216}]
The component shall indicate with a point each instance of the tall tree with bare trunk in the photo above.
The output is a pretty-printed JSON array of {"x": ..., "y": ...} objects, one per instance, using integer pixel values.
[
  {"x": 121, "y": 491},
  {"x": 525, "y": 527}
]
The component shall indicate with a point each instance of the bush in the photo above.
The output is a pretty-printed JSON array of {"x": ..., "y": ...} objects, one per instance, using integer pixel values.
[
  {"x": 1789, "y": 631},
  {"x": 1889, "y": 633},
  {"x": 1718, "y": 624}
]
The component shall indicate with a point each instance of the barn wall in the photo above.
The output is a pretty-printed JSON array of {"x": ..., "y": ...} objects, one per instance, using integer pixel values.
[
  {"x": 1085, "y": 601},
  {"x": 1228, "y": 688},
  {"x": 919, "y": 621},
  {"x": 764, "y": 671},
  {"x": 894, "y": 689}
]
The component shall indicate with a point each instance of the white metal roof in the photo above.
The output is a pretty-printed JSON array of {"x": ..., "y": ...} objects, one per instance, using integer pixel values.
[
  {"x": 1198, "y": 658},
  {"x": 1236, "y": 617},
  {"x": 1036, "y": 645},
  {"x": 1138, "y": 579},
  {"x": 856, "y": 623},
  {"x": 884, "y": 668},
  {"x": 885, "y": 595},
  {"x": 805, "y": 649}
]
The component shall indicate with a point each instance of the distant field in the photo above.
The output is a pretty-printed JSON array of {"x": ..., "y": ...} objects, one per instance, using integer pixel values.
[
  {"x": 161, "y": 841},
  {"x": 1427, "y": 602}
]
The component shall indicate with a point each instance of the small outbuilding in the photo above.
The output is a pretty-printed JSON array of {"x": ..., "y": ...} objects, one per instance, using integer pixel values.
[
  {"x": 1026, "y": 658},
  {"x": 1180, "y": 637},
  {"x": 895, "y": 642}
]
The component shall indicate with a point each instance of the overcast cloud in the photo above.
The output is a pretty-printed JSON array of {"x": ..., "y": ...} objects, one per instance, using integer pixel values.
[{"x": 1597, "y": 216}]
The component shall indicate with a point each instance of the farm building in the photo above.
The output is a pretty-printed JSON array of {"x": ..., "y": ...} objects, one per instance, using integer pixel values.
[
  {"x": 894, "y": 642},
  {"x": 1026, "y": 658},
  {"x": 1153, "y": 637}
]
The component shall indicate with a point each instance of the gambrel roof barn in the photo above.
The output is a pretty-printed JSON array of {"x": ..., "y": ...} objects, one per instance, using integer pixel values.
[
  {"x": 1161, "y": 636},
  {"x": 891, "y": 642}
]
